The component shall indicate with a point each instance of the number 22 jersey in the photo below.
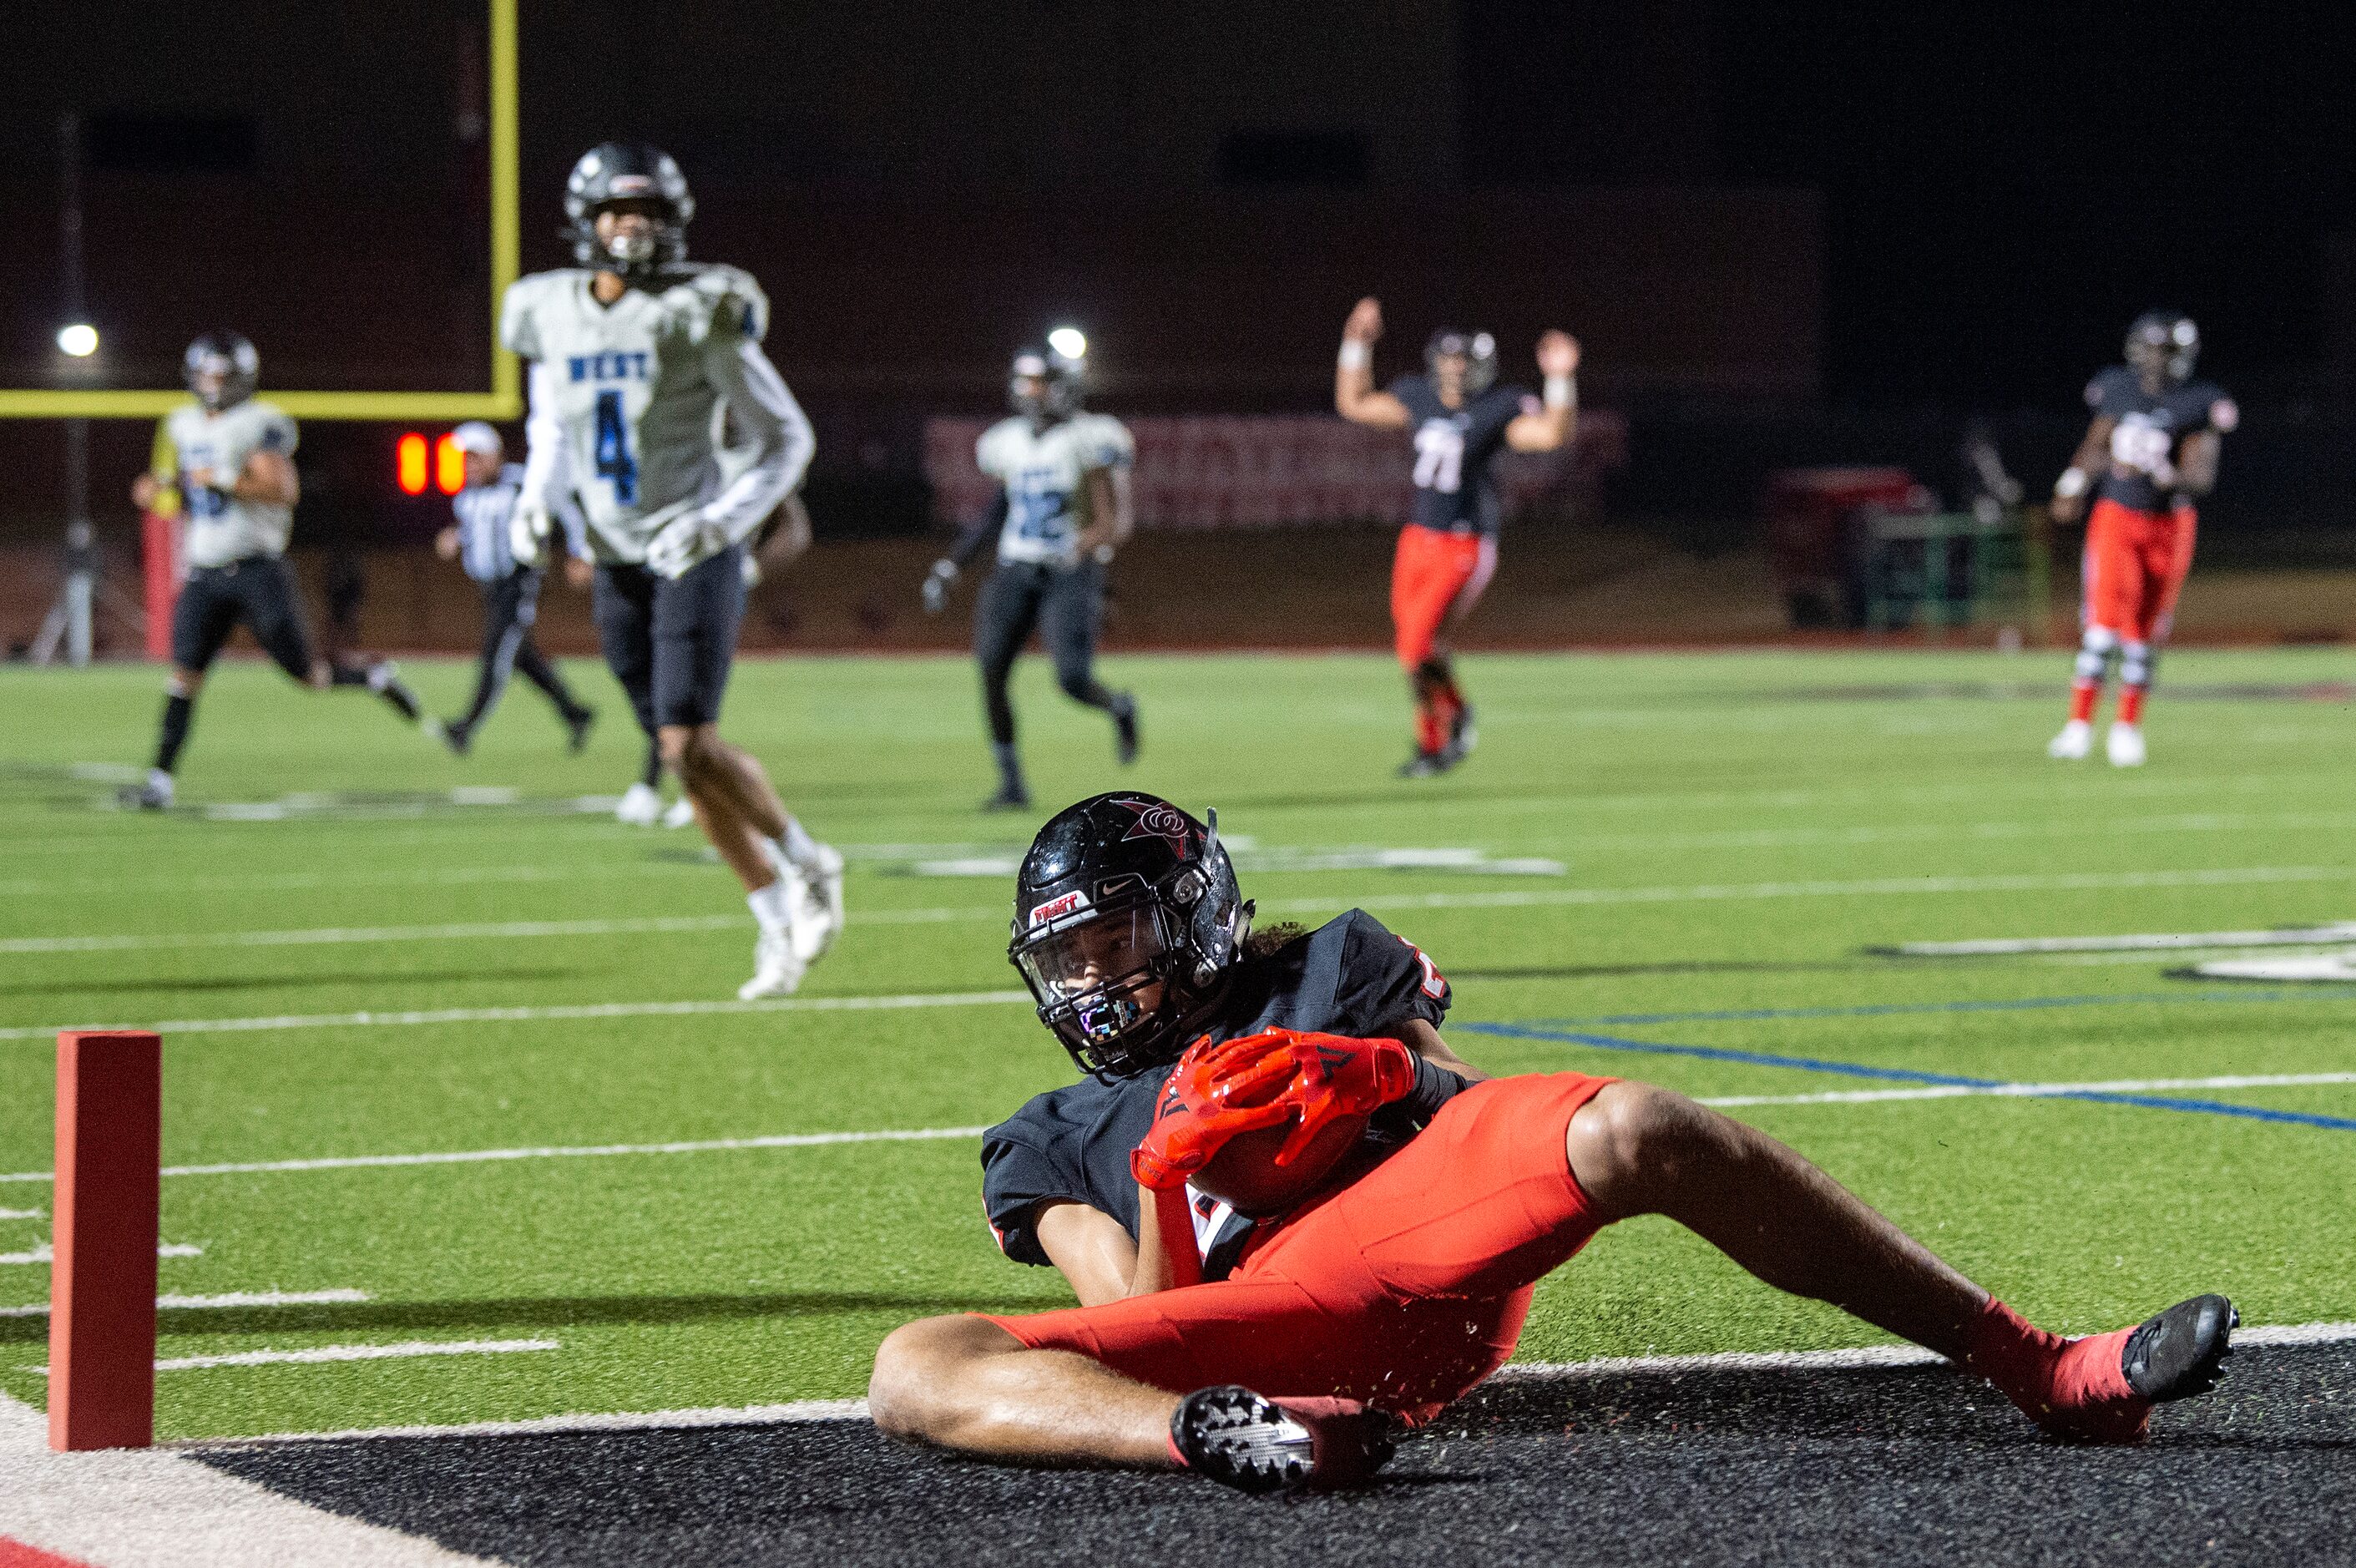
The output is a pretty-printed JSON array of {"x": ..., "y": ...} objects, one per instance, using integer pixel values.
[
  {"x": 1043, "y": 470},
  {"x": 1454, "y": 449}
]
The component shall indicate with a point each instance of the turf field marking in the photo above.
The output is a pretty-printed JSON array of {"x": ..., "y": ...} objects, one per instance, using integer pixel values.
[
  {"x": 372, "y": 1020},
  {"x": 316, "y": 1353},
  {"x": 555, "y": 1152},
  {"x": 2039, "y": 1090},
  {"x": 21, "y": 1214},
  {"x": 1904, "y": 886},
  {"x": 1905, "y": 1075},
  {"x": 132, "y": 1508},
  {"x": 229, "y": 1299},
  {"x": 1993, "y": 1004},
  {"x": 40, "y": 1253},
  {"x": 2163, "y": 941},
  {"x": 1862, "y": 1356}
]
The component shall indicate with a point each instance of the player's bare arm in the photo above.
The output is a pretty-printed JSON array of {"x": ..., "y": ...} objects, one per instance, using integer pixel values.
[
  {"x": 268, "y": 477},
  {"x": 2086, "y": 465},
  {"x": 1093, "y": 1251},
  {"x": 1110, "y": 522},
  {"x": 2196, "y": 462},
  {"x": 1556, "y": 420},
  {"x": 1354, "y": 397}
]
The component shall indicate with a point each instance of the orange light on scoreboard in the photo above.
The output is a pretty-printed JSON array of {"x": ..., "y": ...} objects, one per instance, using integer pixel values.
[
  {"x": 418, "y": 463},
  {"x": 408, "y": 464}
]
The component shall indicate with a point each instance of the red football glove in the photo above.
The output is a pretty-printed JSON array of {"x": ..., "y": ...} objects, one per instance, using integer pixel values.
[{"x": 1224, "y": 1088}]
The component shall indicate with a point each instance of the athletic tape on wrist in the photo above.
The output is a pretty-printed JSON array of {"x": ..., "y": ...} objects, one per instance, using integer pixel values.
[
  {"x": 2072, "y": 484},
  {"x": 1354, "y": 355},
  {"x": 1561, "y": 392}
]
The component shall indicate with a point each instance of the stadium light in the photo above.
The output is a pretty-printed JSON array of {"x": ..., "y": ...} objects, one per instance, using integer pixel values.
[
  {"x": 408, "y": 464},
  {"x": 449, "y": 465},
  {"x": 78, "y": 338},
  {"x": 1069, "y": 341}
]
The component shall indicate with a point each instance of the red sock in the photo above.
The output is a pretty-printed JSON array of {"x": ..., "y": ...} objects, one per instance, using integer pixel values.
[
  {"x": 2082, "y": 694},
  {"x": 2131, "y": 705},
  {"x": 2072, "y": 1388},
  {"x": 1430, "y": 730}
]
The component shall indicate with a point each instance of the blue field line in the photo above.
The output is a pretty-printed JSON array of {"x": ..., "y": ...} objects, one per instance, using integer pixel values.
[
  {"x": 1999, "y": 1004},
  {"x": 1904, "y": 1075}
]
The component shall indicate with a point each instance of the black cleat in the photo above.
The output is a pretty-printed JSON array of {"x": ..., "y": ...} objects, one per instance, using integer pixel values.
[
  {"x": 1124, "y": 729},
  {"x": 1010, "y": 798},
  {"x": 1426, "y": 765},
  {"x": 1463, "y": 735},
  {"x": 576, "y": 727},
  {"x": 1238, "y": 1439},
  {"x": 2183, "y": 1351},
  {"x": 457, "y": 736}
]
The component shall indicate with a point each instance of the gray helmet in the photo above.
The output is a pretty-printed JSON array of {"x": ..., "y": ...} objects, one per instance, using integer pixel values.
[
  {"x": 1480, "y": 351},
  {"x": 2164, "y": 339},
  {"x": 1062, "y": 380},
  {"x": 628, "y": 171},
  {"x": 229, "y": 356}
]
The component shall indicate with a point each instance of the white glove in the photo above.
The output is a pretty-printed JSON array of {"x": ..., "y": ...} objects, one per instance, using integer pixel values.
[
  {"x": 937, "y": 586},
  {"x": 684, "y": 543},
  {"x": 529, "y": 527}
]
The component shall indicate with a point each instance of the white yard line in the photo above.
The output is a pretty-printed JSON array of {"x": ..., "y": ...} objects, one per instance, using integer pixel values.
[
  {"x": 2037, "y": 1091},
  {"x": 375, "y": 1020},
  {"x": 2025, "y": 882},
  {"x": 856, "y": 1410},
  {"x": 40, "y": 1252},
  {"x": 147, "y": 1509},
  {"x": 2156, "y": 941},
  {"x": 227, "y": 1299},
  {"x": 406, "y": 1350}
]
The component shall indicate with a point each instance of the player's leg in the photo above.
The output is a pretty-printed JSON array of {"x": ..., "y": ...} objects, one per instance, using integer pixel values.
[
  {"x": 965, "y": 1383},
  {"x": 1454, "y": 710},
  {"x": 502, "y": 635},
  {"x": 202, "y": 618},
  {"x": 1003, "y": 614},
  {"x": 2108, "y": 579},
  {"x": 1635, "y": 1149},
  {"x": 1068, "y": 618},
  {"x": 275, "y": 614},
  {"x": 2166, "y": 560},
  {"x": 535, "y": 667},
  {"x": 621, "y": 600},
  {"x": 1416, "y": 612}
]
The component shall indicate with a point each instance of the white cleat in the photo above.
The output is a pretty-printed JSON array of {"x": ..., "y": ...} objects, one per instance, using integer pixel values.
[
  {"x": 2125, "y": 746},
  {"x": 681, "y": 815},
  {"x": 776, "y": 967},
  {"x": 2076, "y": 739},
  {"x": 153, "y": 795},
  {"x": 818, "y": 919},
  {"x": 639, "y": 807}
]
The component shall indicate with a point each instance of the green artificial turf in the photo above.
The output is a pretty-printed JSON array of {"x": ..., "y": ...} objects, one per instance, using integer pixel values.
[{"x": 1736, "y": 833}]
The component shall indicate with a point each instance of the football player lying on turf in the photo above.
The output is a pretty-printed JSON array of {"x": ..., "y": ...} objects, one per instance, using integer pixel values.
[{"x": 1369, "y": 1214}]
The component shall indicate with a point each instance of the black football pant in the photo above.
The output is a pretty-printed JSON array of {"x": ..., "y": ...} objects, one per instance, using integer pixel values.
[
  {"x": 1063, "y": 604},
  {"x": 511, "y": 606}
]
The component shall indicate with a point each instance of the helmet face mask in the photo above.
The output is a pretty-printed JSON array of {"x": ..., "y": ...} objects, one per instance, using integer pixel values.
[
  {"x": 221, "y": 369},
  {"x": 627, "y": 177},
  {"x": 1477, "y": 351},
  {"x": 2164, "y": 345},
  {"x": 1044, "y": 386},
  {"x": 1127, "y": 921}
]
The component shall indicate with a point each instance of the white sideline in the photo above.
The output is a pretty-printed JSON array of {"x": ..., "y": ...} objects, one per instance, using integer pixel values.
[
  {"x": 226, "y": 1299},
  {"x": 553, "y": 1151},
  {"x": 404, "y": 1351},
  {"x": 856, "y": 1410},
  {"x": 922, "y": 1134},
  {"x": 2156, "y": 941},
  {"x": 39, "y": 1252},
  {"x": 2025, "y": 882},
  {"x": 149, "y": 1508},
  {"x": 376, "y": 1020}
]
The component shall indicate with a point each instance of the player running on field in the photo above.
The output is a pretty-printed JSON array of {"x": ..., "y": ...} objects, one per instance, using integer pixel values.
[
  {"x": 232, "y": 462},
  {"x": 1448, "y": 551},
  {"x": 637, "y": 358},
  {"x": 1061, "y": 511},
  {"x": 2151, "y": 449},
  {"x": 1367, "y": 1215},
  {"x": 481, "y": 540}
]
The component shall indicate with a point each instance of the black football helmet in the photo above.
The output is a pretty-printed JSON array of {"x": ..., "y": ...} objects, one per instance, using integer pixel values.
[
  {"x": 1045, "y": 386},
  {"x": 1126, "y": 921},
  {"x": 2163, "y": 341},
  {"x": 628, "y": 171},
  {"x": 221, "y": 369},
  {"x": 1480, "y": 351}
]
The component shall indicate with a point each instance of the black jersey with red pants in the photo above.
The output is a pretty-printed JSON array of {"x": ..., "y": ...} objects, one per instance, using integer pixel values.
[
  {"x": 2140, "y": 530},
  {"x": 1404, "y": 1289}
]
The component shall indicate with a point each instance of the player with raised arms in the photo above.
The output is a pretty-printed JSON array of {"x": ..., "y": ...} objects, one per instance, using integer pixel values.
[
  {"x": 637, "y": 358},
  {"x": 1062, "y": 509},
  {"x": 1448, "y": 551},
  {"x": 231, "y": 461},
  {"x": 1293, "y": 1217},
  {"x": 2150, "y": 450}
]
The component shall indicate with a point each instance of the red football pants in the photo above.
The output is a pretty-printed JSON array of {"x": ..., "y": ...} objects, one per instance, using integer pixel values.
[
  {"x": 1436, "y": 579},
  {"x": 2133, "y": 568},
  {"x": 1404, "y": 1289}
]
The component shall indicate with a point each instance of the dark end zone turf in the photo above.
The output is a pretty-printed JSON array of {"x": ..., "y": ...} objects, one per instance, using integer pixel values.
[{"x": 1868, "y": 1466}]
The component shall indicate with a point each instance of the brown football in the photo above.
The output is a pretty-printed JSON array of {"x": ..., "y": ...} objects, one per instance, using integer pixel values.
[{"x": 1245, "y": 1173}]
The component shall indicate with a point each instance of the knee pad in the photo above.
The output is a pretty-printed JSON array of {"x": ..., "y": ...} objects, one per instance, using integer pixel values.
[
  {"x": 2094, "y": 652},
  {"x": 2135, "y": 660}
]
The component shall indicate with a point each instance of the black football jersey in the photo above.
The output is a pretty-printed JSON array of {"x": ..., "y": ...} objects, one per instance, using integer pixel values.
[
  {"x": 2148, "y": 429},
  {"x": 1351, "y": 976},
  {"x": 1454, "y": 449}
]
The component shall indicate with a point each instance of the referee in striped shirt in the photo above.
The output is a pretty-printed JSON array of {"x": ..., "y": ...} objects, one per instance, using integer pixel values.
[{"x": 478, "y": 541}]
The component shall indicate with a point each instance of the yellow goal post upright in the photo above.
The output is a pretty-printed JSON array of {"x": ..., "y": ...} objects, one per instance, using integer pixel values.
[{"x": 502, "y": 401}]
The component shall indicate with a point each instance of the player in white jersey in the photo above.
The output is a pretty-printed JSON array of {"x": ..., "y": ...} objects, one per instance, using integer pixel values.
[
  {"x": 1062, "y": 508},
  {"x": 639, "y": 360},
  {"x": 232, "y": 463}
]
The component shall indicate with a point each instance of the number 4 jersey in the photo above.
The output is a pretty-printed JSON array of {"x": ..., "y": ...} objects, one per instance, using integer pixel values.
[
  {"x": 1454, "y": 449},
  {"x": 2147, "y": 430},
  {"x": 1044, "y": 471},
  {"x": 653, "y": 406}
]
